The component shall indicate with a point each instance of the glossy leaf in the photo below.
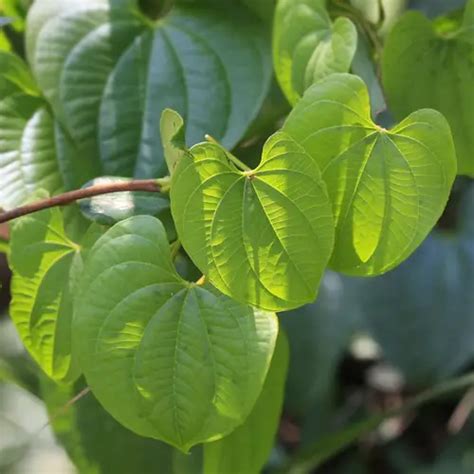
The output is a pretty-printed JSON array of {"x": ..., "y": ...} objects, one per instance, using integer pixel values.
[
  {"x": 423, "y": 310},
  {"x": 95, "y": 442},
  {"x": 263, "y": 236},
  {"x": 107, "y": 209},
  {"x": 172, "y": 131},
  {"x": 308, "y": 46},
  {"x": 27, "y": 150},
  {"x": 109, "y": 73},
  {"x": 427, "y": 65},
  {"x": 168, "y": 359},
  {"x": 247, "y": 449},
  {"x": 43, "y": 260},
  {"x": 388, "y": 187}
]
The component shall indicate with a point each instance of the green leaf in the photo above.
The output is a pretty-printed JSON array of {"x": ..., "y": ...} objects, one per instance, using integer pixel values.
[
  {"x": 247, "y": 449},
  {"x": 308, "y": 46},
  {"x": 168, "y": 359},
  {"x": 95, "y": 442},
  {"x": 107, "y": 209},
  {"x": 173, "y": 137},
  {"x": 426, "y": 66},
  {"x": 43, "y": 260},
  {"x": 16, "y": 73},
  {"x": 27, "y": 150},
  {"x": 263, "y": 236},
  {"x": 109, "y": 74},
  {"x": 406, "y": 306},
  {"x": 388, "y": 187}
]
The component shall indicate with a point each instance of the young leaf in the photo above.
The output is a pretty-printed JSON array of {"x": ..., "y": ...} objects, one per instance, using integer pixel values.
[
  {"x": 43, "y": 260},
  {"x": 27, "y": 150},
  {"x": 246, "y": 450},
  {"x": 168, "y": 359},
  {"x": 308, "y": 46},
  {"x": 388, "y": 187},
  {"x": 425, "y": 66},
  {"x": 109, "y": 74},
  {"x": 264, "y": 236},
  {"x": 95, "y": 442}
]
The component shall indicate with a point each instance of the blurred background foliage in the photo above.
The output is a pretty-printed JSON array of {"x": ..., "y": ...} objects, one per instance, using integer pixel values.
[{"x": 365, "y": 346}]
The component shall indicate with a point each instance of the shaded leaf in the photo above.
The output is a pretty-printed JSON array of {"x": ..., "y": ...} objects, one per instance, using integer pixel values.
[
  {"x": 263, "y": 236},
  {"x": 95, "y": 442},
  {"x": 247, "y": 449},
  {"x": 16, "y": 73},
  {"x": 107, "y": 209},
  {"x": 109, "y": 73},
  {"x": 168, "y": 359},
  {"x": 388, "y": 187},
  {"x": 427, "y": 64},
  {"x": 308, "y": 46}
]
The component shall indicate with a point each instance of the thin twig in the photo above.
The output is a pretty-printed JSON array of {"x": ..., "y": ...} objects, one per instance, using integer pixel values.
[{"x": 146, "y": 185}]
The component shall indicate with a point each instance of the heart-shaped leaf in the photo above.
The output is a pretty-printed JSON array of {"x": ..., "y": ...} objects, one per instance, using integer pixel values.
[
  {"x": 43, "y": 260},
  {"x": 27, "y": 150},
  {"x": 263, "y": 236},
  {"x": 431, "y": 64},
  {"x": 168, "y": 359},
  {"x": 308, "y": 46},
  {"x": 388, "y": 187},
  {"x": 247, "y": 449},
  {"x": 109, "y": 72}
]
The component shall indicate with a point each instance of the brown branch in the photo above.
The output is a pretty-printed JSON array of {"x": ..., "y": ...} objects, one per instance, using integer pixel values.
[{"x": 146, "y": 185}]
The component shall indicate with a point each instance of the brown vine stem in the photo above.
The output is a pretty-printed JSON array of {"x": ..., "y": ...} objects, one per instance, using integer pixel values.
[{"x": 145, "y": 185}]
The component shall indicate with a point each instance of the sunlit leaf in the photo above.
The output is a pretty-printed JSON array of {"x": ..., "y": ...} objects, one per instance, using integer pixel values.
[
  {"x": 262, "y": 236},
  {"x": 169, "y": 359},
  {"x": 43, "y": 260},
  {"x": 388, "y": 188}
]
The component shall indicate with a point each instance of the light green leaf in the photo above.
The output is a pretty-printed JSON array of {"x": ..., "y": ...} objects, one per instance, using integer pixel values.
[
  {"x": 246, "y": 450},
  {"x": 107, "y": 209},
  {"x": 263, "y": 236},
  {"x": 428, "y": 67},
  {"x": 27, "y": 150},
  {"x": 95, "y": 442},
  {"x": 168, "y": 359},
  {"x": 173, "y": 137},
  {"x": 109, "y": 74},
  {"x": 388, "y": 188},
  {"x": 308, "y": 46},
  {"x": 16, "y": 72},
  {"x": 43, "y": 260}
]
